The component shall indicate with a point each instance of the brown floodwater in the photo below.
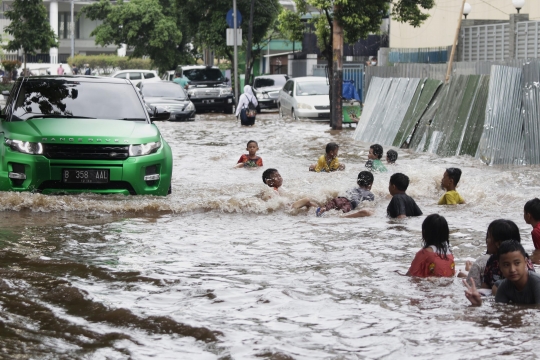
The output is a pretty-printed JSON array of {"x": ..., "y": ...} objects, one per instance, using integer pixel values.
[{"x": 215, "y": 272}]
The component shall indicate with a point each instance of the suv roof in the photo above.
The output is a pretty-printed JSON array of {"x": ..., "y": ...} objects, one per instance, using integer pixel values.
[{"x": 80, "y": 78}]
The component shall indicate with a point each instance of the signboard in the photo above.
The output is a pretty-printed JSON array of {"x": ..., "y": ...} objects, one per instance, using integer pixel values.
[
  {"x": 230, "y": 37},
  {"x": 230, "y": 20}
]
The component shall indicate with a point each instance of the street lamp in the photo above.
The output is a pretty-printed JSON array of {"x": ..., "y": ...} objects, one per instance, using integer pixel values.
[
  {"x": 518, "y": 4},
  {"x": 467, "y": 9}
]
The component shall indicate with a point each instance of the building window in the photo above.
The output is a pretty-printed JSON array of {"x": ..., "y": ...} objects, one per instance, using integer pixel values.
[{"x": 64, "y": 25}]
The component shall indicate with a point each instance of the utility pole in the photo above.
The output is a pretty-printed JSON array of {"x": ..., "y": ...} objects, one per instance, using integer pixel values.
[
  {"x": 72, "y": 31},
  {"x": 337, "y": 78},
  {"x": 450, "y": 62},
  {"x": 250, "y": 36},
  {"x": 235, "y": 76}
]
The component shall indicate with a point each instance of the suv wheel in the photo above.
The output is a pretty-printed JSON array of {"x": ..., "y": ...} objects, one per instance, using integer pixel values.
[{"x": 229, "y": 110}]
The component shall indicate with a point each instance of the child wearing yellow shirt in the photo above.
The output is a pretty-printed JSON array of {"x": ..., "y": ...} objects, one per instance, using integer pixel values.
[
  {"x": 449, "y": 182},
  {"x": 329, "y": 161}
]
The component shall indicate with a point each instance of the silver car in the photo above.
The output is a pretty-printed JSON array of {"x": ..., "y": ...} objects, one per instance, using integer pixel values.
[{"x": 305, "y": 97}]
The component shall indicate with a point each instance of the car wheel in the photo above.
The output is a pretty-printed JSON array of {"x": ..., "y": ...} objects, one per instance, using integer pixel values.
[
  {"x": 280, "y": 110},
  {"x": 230, "y": 110},
  {"x": 169, "y": 192},
  {"x": 293, "y": 115}
]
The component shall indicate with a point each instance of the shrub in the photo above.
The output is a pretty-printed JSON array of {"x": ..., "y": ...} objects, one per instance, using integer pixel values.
[{"x": 107, "y": 64}]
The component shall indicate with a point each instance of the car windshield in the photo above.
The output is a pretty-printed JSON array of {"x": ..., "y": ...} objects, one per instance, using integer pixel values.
[
  {"x": 206, "y": 74},
  {"x": 48, "y": 98},
  {"x": 166, "y": 89},
  {"x": 312, "y": 88},
  {"x": 269, "y": 82}
]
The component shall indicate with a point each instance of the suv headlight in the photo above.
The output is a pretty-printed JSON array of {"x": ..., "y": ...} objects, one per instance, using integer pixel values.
[
  {"x": 305, "y": 106},
  {"x": 25, "y": 147},
  {"x": 144, "y": 149},
  {"x": 225, "y": 91},
  {"x": 260, "y": 96}
]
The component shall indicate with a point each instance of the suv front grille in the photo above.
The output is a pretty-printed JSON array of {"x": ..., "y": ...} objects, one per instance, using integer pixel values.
[{"x": 85, "y": 152}]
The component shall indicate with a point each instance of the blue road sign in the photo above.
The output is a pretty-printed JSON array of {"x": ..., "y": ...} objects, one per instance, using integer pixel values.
[{"x": 230, "y": 20}]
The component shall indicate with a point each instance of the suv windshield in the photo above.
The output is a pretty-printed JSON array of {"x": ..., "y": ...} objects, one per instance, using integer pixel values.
[
  {"x": 312, "y": 88},
  {"x": 206, "y": 74},
  {"x": 165, "y": 89},
  {"x": 72, "y": 98},
  {"x": 267, "y": 82}
]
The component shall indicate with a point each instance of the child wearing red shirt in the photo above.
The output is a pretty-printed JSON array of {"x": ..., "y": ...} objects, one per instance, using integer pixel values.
[
  {"x": 531, "y": 215},
  {"x": 250, "y": 160}
]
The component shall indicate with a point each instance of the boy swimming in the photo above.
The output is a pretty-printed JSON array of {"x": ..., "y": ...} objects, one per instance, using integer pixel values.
[
  {"x": 531, "y": 215},
  {"x": 353, "y": 197},
  {"x": 250, "y": 160},
  {"x": 374, "y": 162},
  {"x": 391, "y": 157},
  {"x": 329, "y": 161},
  {"x": 273, "y": 179},
  {"x": 449, "y": 182},
  {"x": 401, "y": 205},
  {"x": 520, "y": 286}
]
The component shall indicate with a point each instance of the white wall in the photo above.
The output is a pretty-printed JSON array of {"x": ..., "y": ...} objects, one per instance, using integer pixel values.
[{"x": 440, "y": 28}]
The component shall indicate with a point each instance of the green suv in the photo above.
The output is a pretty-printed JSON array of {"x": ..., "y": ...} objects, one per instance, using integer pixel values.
[{"x": 72, "y": 134}]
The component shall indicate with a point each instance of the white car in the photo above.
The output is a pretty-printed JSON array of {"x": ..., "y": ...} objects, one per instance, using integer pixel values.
[
  {"x": 137, "y": 76},
  {"x": 305, "y": 97}
]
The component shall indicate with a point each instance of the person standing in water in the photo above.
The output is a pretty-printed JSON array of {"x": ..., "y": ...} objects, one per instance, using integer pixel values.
[{"x": 247, "y": 107}]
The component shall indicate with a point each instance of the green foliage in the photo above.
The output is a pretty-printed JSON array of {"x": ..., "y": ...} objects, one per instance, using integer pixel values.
[
  {"x": 6, "y": 86},
  {"x": 148, "y": 27},
  {"x": 9, "y": 65},
  {"x": 110, "y": 63},
  {"x": 290, "y": 25},
  {"x": 29, "y": 27}
]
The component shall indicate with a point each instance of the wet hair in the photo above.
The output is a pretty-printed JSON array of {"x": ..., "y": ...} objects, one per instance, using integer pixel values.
[
  {"x": 331, "y": 147},
  {"x": 509, "y": 246},
  {"x": 365, "y": 178},
  {"x": 391, "y": 155},
  {"x": 454, "y": 174},
  {"x": 435, "y": 232},
  {"x": 401, "y": 181},
  {"x": 177, "y": 74},
  {"x": 502, "y": 230},
  {"x": 533, "y": 207},
  {"x": 267, "y": 174},
  {"x": 377, "y": 150},
  {"x": 252, "y": 141}
]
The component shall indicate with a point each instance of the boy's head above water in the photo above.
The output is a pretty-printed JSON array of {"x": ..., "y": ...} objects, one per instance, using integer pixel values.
[
  {"x": 450, "y": 179},
  {"x": 332, "y": 150},
  {"x": 272, "y": 178},
  {"x": 513, "y": 262},
  {"x": 365, "y": 179},
  {"x": 531, "y": 211},
  {"x": 499, "y": 231},
  {"x": 375, "y": 152},
  {"x": 252, "y": 147},
  {"x": 391, "y": 156},
  {"x": 398, "y": 183}
]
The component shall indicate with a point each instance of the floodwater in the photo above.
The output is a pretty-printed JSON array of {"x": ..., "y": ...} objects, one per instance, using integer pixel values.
[{"x": 214, "y": 272}]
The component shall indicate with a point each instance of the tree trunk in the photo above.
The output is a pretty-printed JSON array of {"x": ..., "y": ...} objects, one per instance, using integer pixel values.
[
  {"x": 24, "y": 71},
  {"x": 249, "y": 44}
]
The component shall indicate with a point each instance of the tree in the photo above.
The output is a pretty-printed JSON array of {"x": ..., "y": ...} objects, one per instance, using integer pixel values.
[
  {"x": 29, "y": 28},
  {"x": 151, "y": 28},
  {"x": 358, "y": 18},
  {"x": 207, "y": 19},
  {"x": 291, "y": 26}
]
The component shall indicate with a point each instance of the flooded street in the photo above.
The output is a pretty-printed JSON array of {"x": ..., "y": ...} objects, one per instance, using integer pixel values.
[{"x": 215, "y": 272}]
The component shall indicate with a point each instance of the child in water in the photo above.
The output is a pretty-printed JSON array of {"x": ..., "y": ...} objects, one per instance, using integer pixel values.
[
  {"x": 391, "y": 157},
  {"x": 374, "y": 162},
  {"x": 353, "y": 197},
  {"x": 520, "y": 285},
  {"x": 251, "y": 160},
  {"x": 273, "y": 179},
  {"x": 449, "y": 182},
  {"x": 531, "y": 215},
  {"x": 435, "y": 257},
  {"x": 499, "y": 231},
  {"x": 401, "y": 205},
  {"x": 329, "y": 161}
]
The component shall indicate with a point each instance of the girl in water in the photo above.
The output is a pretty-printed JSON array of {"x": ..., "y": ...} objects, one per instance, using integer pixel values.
[{"x": 435, "y": 257}]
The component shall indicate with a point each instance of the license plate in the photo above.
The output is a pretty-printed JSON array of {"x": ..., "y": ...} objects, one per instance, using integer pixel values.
[
  {"x": 208, "y": 101},
  {"x": 85, "y": 176}
]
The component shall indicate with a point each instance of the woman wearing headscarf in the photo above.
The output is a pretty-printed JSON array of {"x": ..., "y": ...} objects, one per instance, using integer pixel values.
[{"x": 247, "y": 100}]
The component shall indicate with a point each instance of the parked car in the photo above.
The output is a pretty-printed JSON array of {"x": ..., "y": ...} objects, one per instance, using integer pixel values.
[
  {"x": 170, "y": 97},
  {"x": 73, "y": 134},
  {"x": 305, "y": 97},
  {"x": 266, "y": 88},
  {"x": 137, "y": 76},
  {"x": 208, "y": 89}
]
